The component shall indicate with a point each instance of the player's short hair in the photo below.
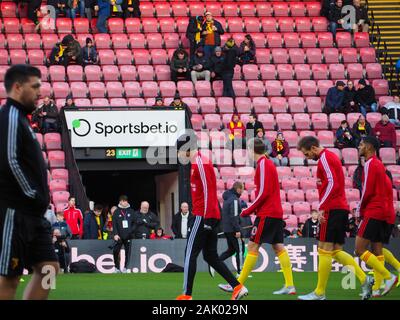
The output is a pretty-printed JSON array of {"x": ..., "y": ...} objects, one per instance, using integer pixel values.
[
  {"x": 257, "y": 145},
  {"x": 123, "y": 198},
  {"x": 20, "y": 73},
  {"x": 372, "y": 141},
  {"x": 98, "y": 207},
  {"x": 187, "y": 141},
  {"x": 238, "y": 185},
  {"x": 307, "y": 143}
]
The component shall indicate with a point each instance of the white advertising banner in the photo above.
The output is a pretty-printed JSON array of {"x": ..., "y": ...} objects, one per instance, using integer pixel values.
[{"x": 131, "y": 128}]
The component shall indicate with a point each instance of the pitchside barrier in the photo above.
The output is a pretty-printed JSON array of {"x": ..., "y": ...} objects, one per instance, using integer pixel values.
[{"x": 154, "y": 255}]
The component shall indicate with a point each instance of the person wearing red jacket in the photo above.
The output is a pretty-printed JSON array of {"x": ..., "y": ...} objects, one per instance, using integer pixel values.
[
  {"x": 385, "y": 131},
  {"x": 203, "y": 235},
  {"x": 374, "y": 212},
  {"x": 159, "y": 235},
  {"x": 74, "y": 218},
  {"x": 268, "y": 226},
  {"x": 333, "y": 217},
  {"x": 237, "y": 131}
]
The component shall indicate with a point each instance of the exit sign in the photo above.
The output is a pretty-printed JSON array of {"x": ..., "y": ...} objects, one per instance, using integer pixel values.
[{"x": 128, "y": 153}]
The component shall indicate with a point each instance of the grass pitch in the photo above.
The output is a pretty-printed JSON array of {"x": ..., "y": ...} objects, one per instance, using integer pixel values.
[{"x": 166, "y": 286}]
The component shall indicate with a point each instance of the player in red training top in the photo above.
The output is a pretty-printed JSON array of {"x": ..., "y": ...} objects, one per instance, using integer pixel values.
[
  {"x": 203, "y": 234},
  {"x": 334, "y": 216},
  {"x": 374, "y": 212}
]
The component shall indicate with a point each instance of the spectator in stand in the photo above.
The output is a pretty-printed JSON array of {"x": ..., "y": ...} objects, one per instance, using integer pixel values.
[
  {"x": 299, "y": 231},
  {"x": 108, "y": 225},
  {"x": 211, "y": 34},
  {"x": 59, "y": 5},
  {"x": 268, "y": 146},
  {"x": 89, "y": 8},
  {"x": 179, "y": 65},
  {"x": 334, "y": 101},
  {"x": 247, "y": 51},
  {"x": 62, "y": 226},
  {"x": 33, "y": 10},
  {"x": 93, "y": 224},
  {"x": 146, "y": 221},
  {"x": 69, "y": 102},
  {"x": 253, "y": 126},
  {"x": 116, "y": 8},
  {"x": 48, "y": 113},
  {"x": 131, "y": 8},
  {"x": 103, "y": 10},
  {"x": 350, "y": 100},
  {"x": 159, "y": 235},
  {"x": 392, "y": 109},
  {"x": 237, "y": 132},
  {"x": 230, "y": 58},
  {"x": 57, "y": 54},
  {"x": 35, "y": 121},
  {"x": 366, "y": 98},
  {"x": 385, "y": 131},
  {"x": 182, "y": 222},
  {"x": 62, "y": 250},
  {"x": 73, "y": 6},
  {"x": 89, "y": 53},
  {"x": 310, "y": 229},
  {"x": 159, "y": 102},
  {"x": 178, "y": 104},
  {"x": 344, "y": 136},
  {"x": 357, "y": 176},
  {"x": 200, "y": 66},
  {"x": 193, "y": 33},
  {"x": 73, "y": 216},
  {"x": 50, "y": 215},
  {"x": 73, "y": 51},
  {"x": 362, "y": 20},
  {"x": 352, "y": 227},
  {"x": 280, "y": 151},
  {"x": 336, "y": 18},
  {"x": 326, "y": 7},
  {"x": 217, "y": 64},
  {"x": 361, "y": 129}
]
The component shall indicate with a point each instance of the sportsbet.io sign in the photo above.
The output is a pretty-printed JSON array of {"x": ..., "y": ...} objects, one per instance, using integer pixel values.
[{"x": 108, "y": 128}]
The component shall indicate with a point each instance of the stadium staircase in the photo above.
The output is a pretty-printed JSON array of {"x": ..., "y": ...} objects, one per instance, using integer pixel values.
[{"x": 297, "y": 62}]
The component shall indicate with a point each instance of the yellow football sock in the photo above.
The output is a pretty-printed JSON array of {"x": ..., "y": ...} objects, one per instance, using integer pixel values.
[
  {"x": 324, "y": 270},
  {"x": 371, "y": 260},
  {"x": 248, "y": 266},
  {"x": 391, "y": 259},
  {"x": 347, "y": 260},
  {"x": 377, "y": 275},
  {"x": 286, "y": 267}
]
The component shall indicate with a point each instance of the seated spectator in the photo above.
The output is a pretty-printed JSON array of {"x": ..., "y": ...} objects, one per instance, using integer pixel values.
[
  {"x": 310, "y": 229},
  {"x": 335, "y": 18},
  {"x": 350, "y": 100},
  {"x": 361, "y": 129},
  {"x": 179, "y": 65},
  {"x": 335, "y": 98},
  {"x": 300, "y": 228},
  {"x": 159, "y": 102},
  {"x": 247, "y": 51},
  {"x": 211, "y": 34},
  {"x": 178, "y": 104},
  {"x": 146, "y": 221},
  {"x": 48, "y": 112},
  {"x": 108, "y": 225},
  {"x": 73, "y": 6},
  {"x": 93, "y": 224},
  {"x": 89, "y": 8},
  {"x": 326, "y": 7},
  {"x": 33, "y": 10},
  {"x": 230, "y": 57},
  {"x": 217, "y": 64},
  {"x": 362, "y": 20},
  {"x": 103, "y": 13},
  {"x": 59, "y": 5},
  {"x": 268, "y": 146},
  {"x": 280, "y": 151},
  {"x": 253, "y": 125},
  {"x": 385, "y": 131},
  {"x": 35, "y": 121},
  {"x": 62, "y": 250},
  {"x": 57, "y": 54},
  {"x": 73, "y": 51},
  {"x": 344, "y": 136},
  {"x": 392, "y": 109},
  {"x": 50, "y": 215},
  {"x": 116, "y": 8},
  {"x": 193, "y": 33},
  {"x": 69, "y": 102},
  {"x": 62, "y": 226},
  {"x": 236, "y": 131},
  {"x": 131, "y": 8},
  {"x": 159, "y": 235},
  {"x": 357, "y": 176},
  {"x": 200, "y": 67},
  {"x": 366, "y": 97},
  {"x": 89, "y": 53}
]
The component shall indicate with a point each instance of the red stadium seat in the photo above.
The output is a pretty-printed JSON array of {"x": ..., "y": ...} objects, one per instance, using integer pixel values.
[
  {"x": 32, "y": 41},
  {"x": 17, "y": 56},
  {"x": 119, "y": 41},
  {"x": 296, "y": 104},
  {"x": 155, "y": 40},
  {"x": 263, "y": 55},
  {"x": 56, "y": 159},
  {"x": 196, "y": 9},
  {"x": 52, "y": 141},
  {"x": 273, "y": 88},
  {"x": 285, "y": 24},
  {"x": 163, "y": 9},
  {"x": 352, "y": 195},
  {"x": 256, "y": 88},
  {"x": 320, "y": 71},
  {"x": 284, "y": 121},
  {"x": 302, "y": 121},
  {"x": 215, "y": 8},
  {"x": 325, "y": 39},
  {"x": 141, "y": 56},
  {"x": 146, "y": 9},
  {"x": 102, "y": 40},
  {"x": 388, "y": 155},
  {"x": 326, "y": 138},
  {"x": 207, "y": 105},
  {"x": 60, "y": 174},
  {"x": 118, "y": 102},
  {"x": 171, "y": 40},
  {"x": 212, "y": 121},
  {"x": 15, "y": 41},
  {"x": 124, "y": 56},
  {"x": 373, "y": 71},
  {"x": 132, "y": 25},
  {"x": 60, "y": 89},
  {"x": 284, "y": 173},
  {"x": 324, "y": 86},
  {"x": 308, "y": 39},
  {"x": 308, "y": 87},
  {"x": 75, "y": 73},
  {"x": 106, "y": 56},
  {"x": 145, "y": 72},
  {"x": 291, "y": 40},
  {"x": 381, "y": 86},
  {"x": 63, "y": 25},
  {"x": 355, "y": 70},
  {"x": 268, "y": 72},
  {"x": 264, "y": 9},
  {"x": 235, "y": 25},
  {"x": 295, "y": 195},
  {"x": 291, "y": 87},
  {"x": 296, "y": 55},
  {"x": 343, "y": 39},
  {"x": 278, "y": 105},
  {"x": 243, "y": 104},
  {"x": 185, "y": 88},
  {"x": 274, "y": 40},
  {"x": 303, "y": 24},
  {"x": 167, "y": 25},
  {"x": 361, "y": 39},
  {"x": 79, "y": 89},
  {"x": 285, "y": 71},
  {"x": 349, "y": 55},
  {"x": 300, "y": 172},
  {"x": 314, "y": 55},
  {"x": 335, "y": 119},
  {"x": 320, "y": 24},
  {"x": 267, "y": 120},
  {"x": 297, "y": 9},
  {"x": 336, "y": 71},
  {"x": 300, "y": 208},
  {"x": 97, "y": 89},
  {"x": 367, "y": 55},
  {"x": 252, "y": 24},
  {"x": 128, "y": 73},
  {"x": 281, "y": 9},
  {"x": 179, "y": 9},
  {"x": 203, "y": 88},
  {"x": 137, "y": 41},
  {"x": 319, "y": 120},
  {"x": 110, "y": 73},
  {"x": 218, "y": 139},
  {"x": 240, "y": 88},
  {"x": 350, "y": 156},
  {"x": 93, "y": 73},
  {"x": 197, "y": 121},
  {"x": 269, "y": 24},
  {"x": 302, "y": 71},
  {"x": 290, "y": 183},
  {"x": 260, "y": 104},
  {"x": 150, "y": 89},
  {"x": 36, "y": 57},
  {"x": 331, "y": 55},
  {"x": 11, "y": 25}
]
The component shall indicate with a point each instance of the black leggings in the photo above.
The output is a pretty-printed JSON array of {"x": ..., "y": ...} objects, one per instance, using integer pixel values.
[{"x": 233, "y": 247}]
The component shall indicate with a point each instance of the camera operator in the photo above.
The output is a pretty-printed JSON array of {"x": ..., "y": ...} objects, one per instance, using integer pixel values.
[
  {"x": 123, "y": 227},
  {"x": 62, "y": 250}
]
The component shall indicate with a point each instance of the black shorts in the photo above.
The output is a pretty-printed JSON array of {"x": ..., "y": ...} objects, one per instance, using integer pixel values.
[
  {"x": 388, "y": 232},
  {"x": 24, "y": 242},
  {"x": 333, "y": 230},
  {"x": 373, "y": 230},
  {"x": 267, "y": 230}
]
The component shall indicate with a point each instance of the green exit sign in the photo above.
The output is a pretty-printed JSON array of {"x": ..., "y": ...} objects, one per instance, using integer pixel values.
[{"x": 128, "y": 153}]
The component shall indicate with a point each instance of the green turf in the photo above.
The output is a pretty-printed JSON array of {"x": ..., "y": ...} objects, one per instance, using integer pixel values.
[{"x": 166, "y": 286}]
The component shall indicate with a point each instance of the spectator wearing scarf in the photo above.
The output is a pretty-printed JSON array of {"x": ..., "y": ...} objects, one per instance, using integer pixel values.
[{"x": 280, "y": 151}]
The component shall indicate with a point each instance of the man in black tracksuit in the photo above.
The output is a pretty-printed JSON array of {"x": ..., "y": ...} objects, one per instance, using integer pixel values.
[
  {"x": 230, "y": 222},
  {"x": 25, "y": 234},
  {"x": 123, "y": 229},
  {"x": 146, "y": 221},
  {"x": 231, "y": 53}
]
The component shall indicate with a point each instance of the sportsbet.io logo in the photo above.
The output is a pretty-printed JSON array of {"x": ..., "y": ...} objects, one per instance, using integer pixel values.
[{"x": 81, "y": 127}]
